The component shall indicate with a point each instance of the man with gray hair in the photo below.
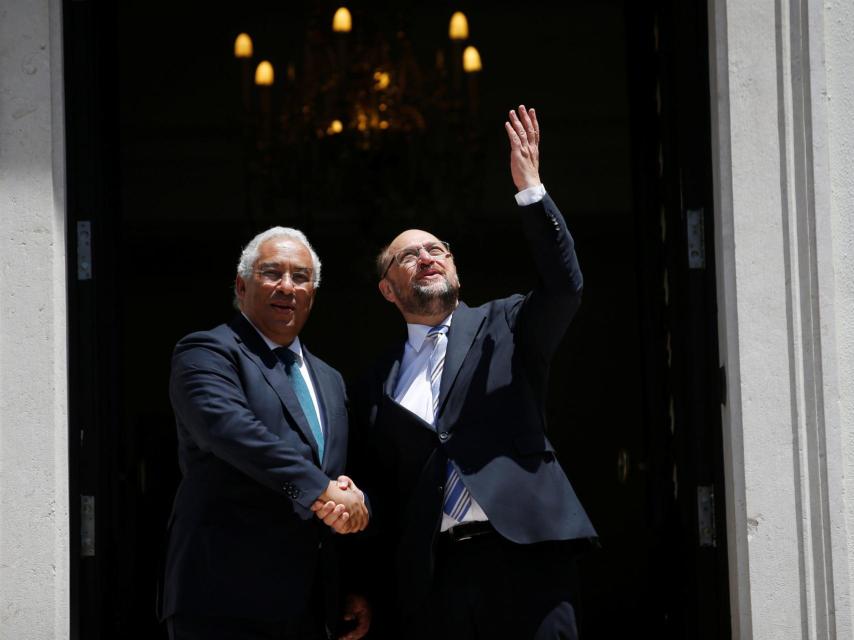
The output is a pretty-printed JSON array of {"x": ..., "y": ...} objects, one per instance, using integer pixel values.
[{"x": 262, "y": 436}]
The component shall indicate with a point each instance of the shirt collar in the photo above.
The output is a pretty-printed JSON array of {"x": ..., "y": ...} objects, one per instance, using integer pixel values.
[
  {"x": 293, "y": 346},
  {"x": 418, "y": 332}
]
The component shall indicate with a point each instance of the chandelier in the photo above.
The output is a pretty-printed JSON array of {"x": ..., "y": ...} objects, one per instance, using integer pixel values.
[{"x": 364, "y": 93}]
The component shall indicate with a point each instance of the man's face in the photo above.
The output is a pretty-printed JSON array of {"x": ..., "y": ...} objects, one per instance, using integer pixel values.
[
  {"x": 277, "y": 297},
  {"x": 429, "y": 285}
]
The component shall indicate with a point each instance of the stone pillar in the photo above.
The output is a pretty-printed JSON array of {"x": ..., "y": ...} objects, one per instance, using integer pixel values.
[
  {"x": 34, "y": 501},
  {"x": 782, "y": 88}
]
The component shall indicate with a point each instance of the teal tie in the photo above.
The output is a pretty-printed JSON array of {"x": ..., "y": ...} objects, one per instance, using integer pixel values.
[{"x": 289, "y": 359}]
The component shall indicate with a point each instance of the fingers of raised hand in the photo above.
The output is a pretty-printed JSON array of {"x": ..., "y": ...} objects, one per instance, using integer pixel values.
[
  {"x": 523, "y": 131},
  {"x": 518, "y": 125},
  {"x": 527, "y": 120},
  {"x": 515, "y": 142},
  {"x": 535, "y": 125}
]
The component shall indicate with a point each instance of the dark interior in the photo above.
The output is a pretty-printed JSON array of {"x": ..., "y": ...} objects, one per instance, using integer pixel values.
[{"x": 175, "y": 175}]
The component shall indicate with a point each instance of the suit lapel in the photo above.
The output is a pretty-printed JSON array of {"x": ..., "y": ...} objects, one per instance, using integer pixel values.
[
  {"x": 394, "y": 370},
  {"x": 271, "y": 368},
  {"x": 388, "y": 390},
  {"x": 464, "y": 329},
  {"x": 465, "y": 326}
]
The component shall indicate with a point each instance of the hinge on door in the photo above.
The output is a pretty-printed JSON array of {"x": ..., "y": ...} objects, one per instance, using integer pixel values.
[
  {"x": 706, "y": 515},
  {"x": 84, "y": 250},
  {"x": 696, "y": 239},
  {"x": 87, "y": 526}
]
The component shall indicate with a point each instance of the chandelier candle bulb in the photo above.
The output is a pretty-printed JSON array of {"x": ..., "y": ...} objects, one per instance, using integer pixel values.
[
  {"x": 471, "y": 60},
  {"x": 243, "y": 46},
  {"x": 342, "y": 21},
  {"x": 459, "y": 27},
  {"x": 264, "y": 74}
]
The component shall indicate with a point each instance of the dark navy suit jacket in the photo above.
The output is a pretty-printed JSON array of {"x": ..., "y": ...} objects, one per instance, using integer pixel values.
[
  {"x": 242, "y": 540},
  {"x": 490, "y": 422}
]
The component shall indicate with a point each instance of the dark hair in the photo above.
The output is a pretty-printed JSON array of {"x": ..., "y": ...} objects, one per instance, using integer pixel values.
[{"x": 382, "y": 264}]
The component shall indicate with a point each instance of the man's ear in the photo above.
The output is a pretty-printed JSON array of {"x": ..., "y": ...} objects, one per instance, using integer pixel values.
[
  {"x": 386, "y": 290},
  {"x": 239, "y": 288}
]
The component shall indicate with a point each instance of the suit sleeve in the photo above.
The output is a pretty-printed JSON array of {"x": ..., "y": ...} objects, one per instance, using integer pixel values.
[
  {"x": 367, "y": 566},
  {"x": 541, "y": 318},
  {"x": 208, "y": 399}
]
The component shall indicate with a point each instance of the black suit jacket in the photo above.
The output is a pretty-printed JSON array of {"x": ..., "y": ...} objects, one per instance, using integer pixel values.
[
  {"x": 242, "y": 540},
  {"x": 490, "y": 422}
]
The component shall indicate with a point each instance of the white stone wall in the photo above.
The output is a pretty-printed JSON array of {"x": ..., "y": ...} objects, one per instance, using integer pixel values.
[
  {"x": 783, "y": 107},
  {"x": 835, "y": 93},
  {"x": 34, "y": 535}
]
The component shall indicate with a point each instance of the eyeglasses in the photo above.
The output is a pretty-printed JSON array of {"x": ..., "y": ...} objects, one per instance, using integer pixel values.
[
  {"x": 408, "y": 256},
  {"x": 274, "y": 277}
]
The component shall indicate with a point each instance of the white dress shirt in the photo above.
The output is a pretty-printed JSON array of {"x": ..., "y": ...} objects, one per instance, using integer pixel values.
[
  {"x": 296, "y": 348},
  {"x": 413, "y": 392},
  {"x": 530, "y": 195}
]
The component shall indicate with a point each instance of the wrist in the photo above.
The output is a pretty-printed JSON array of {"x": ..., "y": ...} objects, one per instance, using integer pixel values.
[{"x": 327, "y": 493}]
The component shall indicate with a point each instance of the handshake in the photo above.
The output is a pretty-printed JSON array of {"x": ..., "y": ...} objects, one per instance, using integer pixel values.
[{"x": 342, "y": 506}]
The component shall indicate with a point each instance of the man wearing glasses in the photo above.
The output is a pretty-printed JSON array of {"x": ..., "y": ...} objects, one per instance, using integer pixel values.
[
  {"x": 262, "y": 435},
  {"x": 464, "y": 484}
]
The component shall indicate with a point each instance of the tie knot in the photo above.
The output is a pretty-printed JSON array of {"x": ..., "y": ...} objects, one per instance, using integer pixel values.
[
  {"x": 287, "y": 356},
  {"x": 436, "y": 331}
]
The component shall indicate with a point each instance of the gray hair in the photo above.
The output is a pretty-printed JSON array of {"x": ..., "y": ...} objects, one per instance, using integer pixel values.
[{"x": 249, "y": 256}]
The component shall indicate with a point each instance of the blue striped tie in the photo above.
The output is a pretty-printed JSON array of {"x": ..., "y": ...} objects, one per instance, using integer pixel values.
[
  {"x": 300, "y": 387},
  {"x": 457, "y": 498},
  {"x": 437, "y": 362}
]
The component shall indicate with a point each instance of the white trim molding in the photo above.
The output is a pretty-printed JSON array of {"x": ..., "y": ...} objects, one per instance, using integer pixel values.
[
  {"x": 782, "y": 113},
  {"x": 34, "y": 501}
]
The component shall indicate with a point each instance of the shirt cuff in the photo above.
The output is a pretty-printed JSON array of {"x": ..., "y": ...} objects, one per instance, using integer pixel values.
[{"x": 530, "y": 195}]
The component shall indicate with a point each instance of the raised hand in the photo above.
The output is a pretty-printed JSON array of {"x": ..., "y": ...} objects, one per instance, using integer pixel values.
[{"x": 523, "y": 130}]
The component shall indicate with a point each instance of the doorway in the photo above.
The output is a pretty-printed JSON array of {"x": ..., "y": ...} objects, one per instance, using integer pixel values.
[{"x": 161, "y": 171}]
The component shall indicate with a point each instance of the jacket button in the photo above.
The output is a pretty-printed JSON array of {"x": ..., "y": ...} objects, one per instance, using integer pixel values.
[
  {"x": 441, "y": 488},
  {"x": 444, "y": 436}
]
